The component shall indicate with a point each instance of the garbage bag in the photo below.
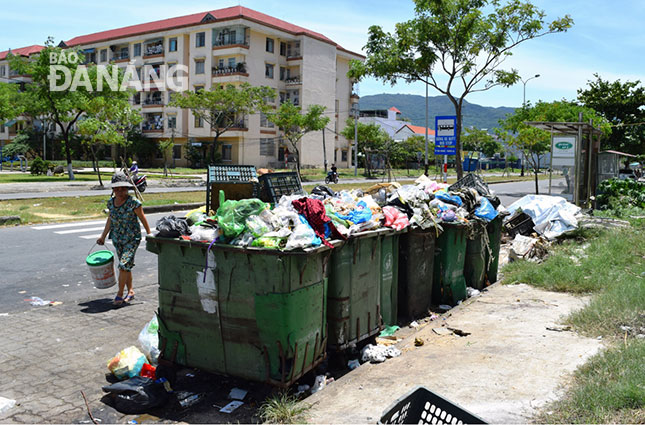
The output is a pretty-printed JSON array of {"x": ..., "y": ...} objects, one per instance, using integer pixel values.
[
  {"x": 395, "y": 218},
  {"x": 137, "y": 394},
  {"x": 203, "y": 233},
  {"x": 172, "y": 227},
  {"x": 149, "y": 340},
  {"x": 257, "y": 226},
  {"x": 303, "y": 236},
  {"x": 358, "y": 215},
  {"x": 270, "y": 242},
  {"x": 485, "y": 210},
  {"x": 322, "y": 190},
  {"x": 127, "y": 363},
  {"x": 446, "y": 197},
  {"x": 232, "y": 215}
]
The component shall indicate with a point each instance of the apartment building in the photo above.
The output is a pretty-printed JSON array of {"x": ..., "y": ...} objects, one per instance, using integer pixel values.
[{"x": 232, "y": 46}]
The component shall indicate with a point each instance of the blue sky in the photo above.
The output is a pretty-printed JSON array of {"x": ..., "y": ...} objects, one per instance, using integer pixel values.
[{"x": 607, "y": 38}]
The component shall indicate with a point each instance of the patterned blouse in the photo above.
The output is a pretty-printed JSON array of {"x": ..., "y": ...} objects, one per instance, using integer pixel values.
[{"x": 124, "y": 226}]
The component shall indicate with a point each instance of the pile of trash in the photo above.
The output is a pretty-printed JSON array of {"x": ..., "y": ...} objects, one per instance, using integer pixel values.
[{"x": 301, "y": 222}]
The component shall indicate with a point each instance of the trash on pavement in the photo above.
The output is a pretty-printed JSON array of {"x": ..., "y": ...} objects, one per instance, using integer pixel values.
[
  {"x": 6, "y": 404},
  {"x": 442, "y": 331},
  {"x": 127, "y": 363},
  {"x": 187, "y": 399},
  {"x": 458, "y": 332},
  {"x": 378, "y": 353},
  {"x": 551, "y": 215},
  {"x": 528, "y": 248},
  {"x": 37, "y": 301},
  {"x": 445, "y": 307},
  {"x": 414, "y": 324},
  {"x": 389, "y": 330},
  {"x": 148, "y": 371},
  {"x": 237, "y": 394},
  {"x": 137, "y": 394},
  {"x": 472, "y": 292},
  {"x": 353, "y": 364},
  {"x": 386, "y": 340},
  {"x": 320, "y": 382},
  {"x": 418, "y": 342},
  {"x": 229, "y": 408},
  {"x": 149, "y": 340},
  {"x": 558, "y": 328}
]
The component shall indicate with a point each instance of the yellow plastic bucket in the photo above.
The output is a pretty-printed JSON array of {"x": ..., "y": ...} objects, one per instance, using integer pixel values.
[{"x": 101, "y": 265}]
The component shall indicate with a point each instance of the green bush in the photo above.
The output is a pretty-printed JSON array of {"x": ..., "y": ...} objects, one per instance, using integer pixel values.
[
  {"x": 617, "y": 194},
  {"x": 38, "y": 166}
]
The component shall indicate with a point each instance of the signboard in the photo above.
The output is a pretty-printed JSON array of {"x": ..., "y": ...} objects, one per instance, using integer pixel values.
[
  {"x": 445, "y": 140},
  {"x": 564, "y": 151}
]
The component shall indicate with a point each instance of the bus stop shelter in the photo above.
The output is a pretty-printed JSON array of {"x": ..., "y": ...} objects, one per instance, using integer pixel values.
[{"x": 574, "y": 150}]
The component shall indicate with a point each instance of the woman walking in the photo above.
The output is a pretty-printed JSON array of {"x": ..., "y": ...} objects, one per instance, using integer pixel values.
[{"x": 124, "y": 230}]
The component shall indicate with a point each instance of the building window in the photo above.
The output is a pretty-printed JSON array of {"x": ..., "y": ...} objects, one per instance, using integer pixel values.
[
  {"x": 269, "y": 46},
  {"x": 137, "y": 49},
  {"x": 283, "y": 48},
  {"x": 343, "y": 155},
  {"x": 198, "y": 88},
  {"x": 104, "y": 55},
  {"x": 172, "y": 122},
  {"x": 3, "y": 72},
  {"x": 199, "y": 66},
  {"x": 268, "y": 70},
  {"x": 283, "y": 73},
  {"x": 176, "y": 152},
  {"x": 227, "y": 152},
  {"x": 264, "y": 122},
  {"x": 267, "y": 147},
  {"x": 231, "y": 62},
  {"x": 199, "y": 122},
  {"x": 200, "y": 39},
  {"x": 336, "y": 106},
  {"x": 172, "y": 44}
]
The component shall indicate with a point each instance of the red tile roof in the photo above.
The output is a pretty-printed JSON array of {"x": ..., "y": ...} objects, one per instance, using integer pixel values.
[
  {"x": 228, "y": 13},
  {"x": 394, "y": 109},
  {"x": 23, "y": 51},
  {"x": 417, "y": 129}
]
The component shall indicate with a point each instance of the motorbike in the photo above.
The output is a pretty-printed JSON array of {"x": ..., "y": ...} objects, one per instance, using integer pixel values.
[
  {"x": 140, "y": 182},
  {"x": 332, "y": 177}
]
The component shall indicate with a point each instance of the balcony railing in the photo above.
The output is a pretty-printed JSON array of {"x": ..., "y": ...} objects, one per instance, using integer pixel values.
[
  {"x": 122, "y": 56},
  {"x": 153, "y": 49},
  {"x": 152, "y": 102},
  {"x": 225, "y": 41},
  {"x": 293, "y": 80},
  {"x": 155, "y": 124},
  {"x": 239, "y": 68}
]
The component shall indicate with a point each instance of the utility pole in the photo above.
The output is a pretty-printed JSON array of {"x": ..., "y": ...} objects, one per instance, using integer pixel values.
[
  {"x": 355, "y": 139},
  {"x": 524, "y": 106},
  {"x": 324, "y": 151},
  {"x": 426, "y": 158}
]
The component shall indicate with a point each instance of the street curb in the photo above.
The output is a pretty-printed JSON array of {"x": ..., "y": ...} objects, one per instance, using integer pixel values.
[
  {"x": 172, "y": 207},
  {"x": 10, "y": 219}
]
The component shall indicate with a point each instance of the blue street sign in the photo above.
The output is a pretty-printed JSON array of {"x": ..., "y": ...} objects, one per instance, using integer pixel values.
[{"x": 445, "y": 140}]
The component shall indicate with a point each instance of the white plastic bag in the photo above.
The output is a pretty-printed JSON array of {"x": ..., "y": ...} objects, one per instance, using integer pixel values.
[{"x": 149, "y": 340}]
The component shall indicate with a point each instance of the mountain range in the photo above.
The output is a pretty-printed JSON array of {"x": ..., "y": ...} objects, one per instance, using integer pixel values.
[{"x": 412, "y": 108}]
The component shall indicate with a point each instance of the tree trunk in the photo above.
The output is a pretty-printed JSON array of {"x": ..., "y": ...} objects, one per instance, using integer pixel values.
[
  {"x": 68, "y": 154},
  {"x": 537, "y": 191},
  {"x": 458, "y": 163},
  {"x": 95, "y": 162}
]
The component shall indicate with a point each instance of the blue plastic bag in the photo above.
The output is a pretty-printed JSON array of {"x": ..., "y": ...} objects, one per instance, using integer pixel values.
[
  {"x": 485, "y": 210},
  {"x": 446, "y": 197},
  {"x": 360, "y": 214}
]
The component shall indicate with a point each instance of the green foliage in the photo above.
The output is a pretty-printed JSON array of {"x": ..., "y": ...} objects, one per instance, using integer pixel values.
[
  {"x": 10, "y": 106},
  {"x": 466, "y": 39},
  {"x": 38, "y": 166},
  {"x": 193, "y": 155},
  {"x": 17, "y": 147},
  {"x": 282, "y": 408},
  {"x": 477, "y": 140},
  {"x": 616, "y": 194},
  {"x": 371, "y": 137},
  {"x": 144, "y": 148},
  {"x": 406, "y": 151},
  {"x": 621, "y": 104}
]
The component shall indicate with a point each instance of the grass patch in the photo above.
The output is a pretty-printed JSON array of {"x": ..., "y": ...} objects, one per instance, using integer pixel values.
[
  {"x": 29, "y": 178},
  {"x": 282, "y": 408},
  {"x": 610, "y": 265},
  {"x": 47, "y": 210}
]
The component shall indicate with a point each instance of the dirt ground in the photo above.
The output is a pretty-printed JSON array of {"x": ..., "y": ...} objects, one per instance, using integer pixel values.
[{"x": 509, "y": 365}]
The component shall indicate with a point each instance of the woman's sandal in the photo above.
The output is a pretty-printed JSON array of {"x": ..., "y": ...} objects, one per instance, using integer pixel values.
[
  {"x": 128, "y": 298},
  {"x": 118, "y": 300}
]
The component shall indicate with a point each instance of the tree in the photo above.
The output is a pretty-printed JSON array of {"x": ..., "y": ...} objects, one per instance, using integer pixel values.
[
  {"x": 224, "y": 108},
  {"x": 165, "y": 147},
  {"x": 622, "y": 105},
  {"x": 409, "y": 150},
  {"x": 10, "y": 108},
  {"x": 476, "y": 140},
  {"x": 371, "y": 137},
  {"x": 66, "y": 104},
  {"x": 456, "y": 38},
  {"x": 107, "y": 123},
  {"x": 295, "y": 124},
  {"x": 534, "y": 142}
]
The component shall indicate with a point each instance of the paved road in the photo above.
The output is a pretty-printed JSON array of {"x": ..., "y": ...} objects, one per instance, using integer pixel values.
[
  {"x": 511, "y": 192},
  {"x": 48, "y": 261}
]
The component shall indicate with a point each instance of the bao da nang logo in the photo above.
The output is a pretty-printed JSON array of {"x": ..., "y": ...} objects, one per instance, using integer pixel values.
[{"x": 63, "y": 77}]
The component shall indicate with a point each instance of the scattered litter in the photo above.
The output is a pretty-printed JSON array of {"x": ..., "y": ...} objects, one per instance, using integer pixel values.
[
  {"x": 414, "y": 324},
  {"x": 137, "y": 394},
  {"x": 65, "y": 285},
  {"x": 558, "y": 328},
  {"x": 187, "y": 398},
  {"x": 190, "y": 375},
  {"x": 6, "y": 404},
  {"x": 418, "y": 342},
  {"x": 149, "y": 340},
  {"x": 386, "y": 340},
  {"x": 37, "y": 301},
  {"x": 389, "y": 330},
  {"x": 433, "y": 317},
  {"x": 472, "y": 292},
  {"x": 459, "y": 332},
  {"x": 552, "y": 215},
  {"x": 528, "y": 248},
  {"x": 302, "y": 389},
  {"x": 127, "y": 363},
  {"x": 37, "y": 205},
  {"x": 55, "y": 303},
  {"x": 378, "y": 353},
  {"x": 22, "y": 292},
  {"x": 132, "y": 421},
  {"x": 445, "y": 307},
  {"x": 4, "y": 314},
  {"x": 237, "y": 394},
  {"x": 229, "y": 408},
  {"x": 441, "y": 331},
  {"x": 320, "y": 382},
  {"x": 353, "y": 364}
]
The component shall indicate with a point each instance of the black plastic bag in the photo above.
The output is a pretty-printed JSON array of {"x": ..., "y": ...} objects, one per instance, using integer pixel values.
[
  {"x": 322, "y": 190},
  {"x": 137, "y": 394},
  {"x": 172, "y": 227}
]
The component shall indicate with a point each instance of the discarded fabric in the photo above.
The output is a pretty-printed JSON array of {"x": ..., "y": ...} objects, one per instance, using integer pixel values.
[{"x": 378, "y": 353}]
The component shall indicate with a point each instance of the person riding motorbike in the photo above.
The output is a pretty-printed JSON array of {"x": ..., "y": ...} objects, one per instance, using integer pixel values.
[{"x": 332, "y": 176}]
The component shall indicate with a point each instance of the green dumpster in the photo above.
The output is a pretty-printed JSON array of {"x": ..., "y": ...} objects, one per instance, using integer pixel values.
[
  {"x": 416, "y": 264},
  {"x": 449, "y": 264},
  {"x": 494, "y": 229},
  {"x": 252, "y": 313},
  {"x": 477, "y": 246},
  {"x": 389, "y": 276},
  {"x": 355, "y": 274}
]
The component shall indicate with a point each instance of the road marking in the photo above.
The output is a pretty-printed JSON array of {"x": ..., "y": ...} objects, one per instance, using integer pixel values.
[
  {"x": 60, "y": 226},
  {"x": 87, "y": 229}
]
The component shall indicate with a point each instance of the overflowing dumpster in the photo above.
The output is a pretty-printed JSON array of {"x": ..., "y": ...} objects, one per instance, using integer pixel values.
[
  {"x": 449, "y": 278},
  {"x": 416, "y": 263},
  {"x": 251, "y": 313},
  {"x": 475, "y": 263}
]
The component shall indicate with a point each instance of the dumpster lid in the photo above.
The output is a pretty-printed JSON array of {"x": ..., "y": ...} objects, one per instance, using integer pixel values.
[{"x": 99, "y": 258}]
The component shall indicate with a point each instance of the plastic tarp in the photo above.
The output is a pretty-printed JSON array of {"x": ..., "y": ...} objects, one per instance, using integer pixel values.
[{"x": 552, "y": 215}]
